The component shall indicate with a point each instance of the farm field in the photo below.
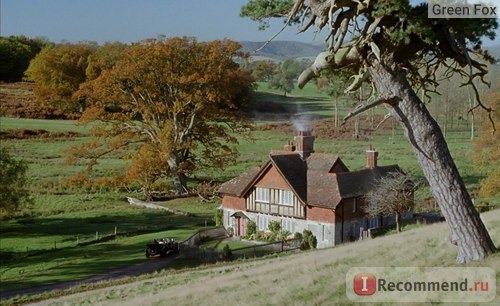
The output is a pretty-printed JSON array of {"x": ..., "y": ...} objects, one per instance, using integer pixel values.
[
  {"x": 311, "y": 278},
  {"x": 55, "y": 239}
]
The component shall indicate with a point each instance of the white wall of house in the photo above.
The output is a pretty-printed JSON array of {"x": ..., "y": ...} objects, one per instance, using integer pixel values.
[
  {"x": 327, "y": 234},
  {"x": 324, "y": 232}
]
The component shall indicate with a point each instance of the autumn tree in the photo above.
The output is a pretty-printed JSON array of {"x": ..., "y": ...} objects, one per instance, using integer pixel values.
[
  {"x": 14, "y": 192},
  {"x": 148, "y": 165},
  {"x": 397, "y": 47},
  {"x": 392, "y": 195},
  {"x": 58, "y": 71},
  {"x": 104, "y": 58},
  {"x": 178, "y": 99},
  {"x": 486, "y": 153},
  {"x": 263, "y": 70}
]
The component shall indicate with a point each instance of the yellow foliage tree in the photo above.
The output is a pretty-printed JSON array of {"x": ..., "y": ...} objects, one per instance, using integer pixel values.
[
  {"x": 181, "y": 97},
  {"x": 58, "y": 71},
  {"x": 487, "y": 150}
]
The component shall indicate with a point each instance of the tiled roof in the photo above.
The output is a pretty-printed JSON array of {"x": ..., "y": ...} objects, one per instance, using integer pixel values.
[
  {"x": 238, "y": 185},
  {"x": 294, "y": 171},
  {"x": 358, "y": 183},
  {"x": 312, "y": 180}
]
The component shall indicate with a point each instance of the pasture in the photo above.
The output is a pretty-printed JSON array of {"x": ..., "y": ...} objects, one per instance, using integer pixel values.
[
  {"x": 72, "y": 233},
  {"x": 305, "y": 278}
]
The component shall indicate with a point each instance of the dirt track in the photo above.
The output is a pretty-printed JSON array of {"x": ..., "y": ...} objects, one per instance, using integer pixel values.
[{"x": 151, "y": 265}]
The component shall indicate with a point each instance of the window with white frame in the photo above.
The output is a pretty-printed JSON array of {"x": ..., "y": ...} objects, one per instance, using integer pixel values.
[
  {"x": 285, "y": 197},
  {"x": 263, "y": 223},
  {"x": 262, "y": 194}
]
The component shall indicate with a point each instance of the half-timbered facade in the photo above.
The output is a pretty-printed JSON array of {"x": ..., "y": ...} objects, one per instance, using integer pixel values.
[{"x": 303, "y": 190}]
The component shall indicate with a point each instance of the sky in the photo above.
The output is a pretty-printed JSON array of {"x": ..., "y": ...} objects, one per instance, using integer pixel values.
[{"x": 135, "y": 20}]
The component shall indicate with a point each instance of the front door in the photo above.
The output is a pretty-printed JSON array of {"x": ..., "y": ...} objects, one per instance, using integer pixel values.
[{"x": 241, "y": 226}]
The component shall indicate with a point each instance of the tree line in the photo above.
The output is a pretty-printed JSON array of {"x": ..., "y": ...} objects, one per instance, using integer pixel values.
[{"x": 170, "y": 105}]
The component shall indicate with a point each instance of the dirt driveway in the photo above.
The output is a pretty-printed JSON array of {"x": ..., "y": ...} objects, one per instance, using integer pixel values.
[{"x": 151, "y": 265}]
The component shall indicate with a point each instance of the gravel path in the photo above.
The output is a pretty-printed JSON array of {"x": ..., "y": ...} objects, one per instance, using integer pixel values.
[{"x": 151, "y": 265}]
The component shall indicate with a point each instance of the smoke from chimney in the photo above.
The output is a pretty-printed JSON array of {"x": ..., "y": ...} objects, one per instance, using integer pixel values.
[{"x": 302, "y": 123}]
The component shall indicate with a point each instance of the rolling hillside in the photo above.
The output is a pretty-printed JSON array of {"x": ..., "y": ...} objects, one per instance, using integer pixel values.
[
  {"x": 311, "y": 278},
  {"x": 280, "y": 50}
]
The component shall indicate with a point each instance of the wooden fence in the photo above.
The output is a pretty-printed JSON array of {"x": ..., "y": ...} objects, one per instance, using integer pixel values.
[{"x": 190, "y": 249}]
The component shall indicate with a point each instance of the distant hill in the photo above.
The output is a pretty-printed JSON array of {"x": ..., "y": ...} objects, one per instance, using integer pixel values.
[{"x": 280, "y": 50}]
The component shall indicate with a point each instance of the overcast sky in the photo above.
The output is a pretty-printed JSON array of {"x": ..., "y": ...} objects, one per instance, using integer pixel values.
[{"x": 134, "y": 20}]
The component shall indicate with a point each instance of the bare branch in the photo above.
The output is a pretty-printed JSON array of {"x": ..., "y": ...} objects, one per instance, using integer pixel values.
[{"x": 362, "y": 107}]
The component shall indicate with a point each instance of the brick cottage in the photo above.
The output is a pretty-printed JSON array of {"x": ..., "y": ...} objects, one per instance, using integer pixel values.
[{"x": 304, "y": 190}]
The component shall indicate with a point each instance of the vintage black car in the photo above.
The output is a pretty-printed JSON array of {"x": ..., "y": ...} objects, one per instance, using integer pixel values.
[{"x": 162, "y": 247}]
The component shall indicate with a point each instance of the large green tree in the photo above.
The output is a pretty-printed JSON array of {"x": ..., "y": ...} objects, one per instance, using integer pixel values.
[
  {"x": 178, "y": 99},
  {"x": 285, "y": 76},
  {"x": 397, "y": 47},
  {"x": 16, "y": 52}
]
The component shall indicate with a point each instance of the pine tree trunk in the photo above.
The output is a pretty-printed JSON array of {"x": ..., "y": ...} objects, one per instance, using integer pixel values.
[
  {"x": 398, "y": 222},
  {"x": 431, "y": 150}
]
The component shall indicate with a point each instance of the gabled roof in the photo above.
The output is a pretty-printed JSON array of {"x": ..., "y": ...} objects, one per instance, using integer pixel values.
[
  {"x": 359, "y": 183},
  {"x": 325, "y": 162},
  {"x": 294, "y": 170},
  {"x": 239, "y": 184},
  {"x": 312, "y": 180}
]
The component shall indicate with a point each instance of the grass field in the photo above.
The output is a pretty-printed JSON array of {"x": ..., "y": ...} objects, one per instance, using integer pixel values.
[
  {"x": 311, "y": 278},
  {"x": 41, "y": 246}
]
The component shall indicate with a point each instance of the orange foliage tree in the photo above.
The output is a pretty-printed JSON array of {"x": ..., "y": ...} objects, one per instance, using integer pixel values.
[
  {"x": 58, "y": 71},
  {"x": 487, "y": 150},
  {"x": 178, "y": 98}
]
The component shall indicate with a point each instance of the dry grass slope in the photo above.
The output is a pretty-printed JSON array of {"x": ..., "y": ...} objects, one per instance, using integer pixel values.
[{"x": 310, "y": 278}]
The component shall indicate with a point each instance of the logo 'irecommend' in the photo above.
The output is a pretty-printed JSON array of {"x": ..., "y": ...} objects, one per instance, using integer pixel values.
[{"x": 364, "y": 284}]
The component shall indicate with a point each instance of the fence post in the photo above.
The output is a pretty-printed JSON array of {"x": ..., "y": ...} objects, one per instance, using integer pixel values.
[
  {"x": 115, "y": 230},
  {"x": 96, "y": 236},
  {"x": 282, "y": 243}
]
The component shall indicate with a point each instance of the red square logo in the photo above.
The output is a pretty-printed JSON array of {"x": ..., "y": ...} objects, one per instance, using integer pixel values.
[{"x": 365, "y": 284}]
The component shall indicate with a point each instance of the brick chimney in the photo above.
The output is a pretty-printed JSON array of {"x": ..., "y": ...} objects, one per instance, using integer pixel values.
[
  {"x": 304, "y": 143},
  {"x": 371, "y": 157},
  {"x": 289, "y": 146}
]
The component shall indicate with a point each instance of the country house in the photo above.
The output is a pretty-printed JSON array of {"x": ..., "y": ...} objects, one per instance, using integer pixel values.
[{"x": 304, "y": 190}]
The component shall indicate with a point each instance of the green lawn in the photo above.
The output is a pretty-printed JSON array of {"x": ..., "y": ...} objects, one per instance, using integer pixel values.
[
  {"x": 305, "y": 278},
  {"x": 41, "y": 250},
  {"x": 49, "y": 125}
]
